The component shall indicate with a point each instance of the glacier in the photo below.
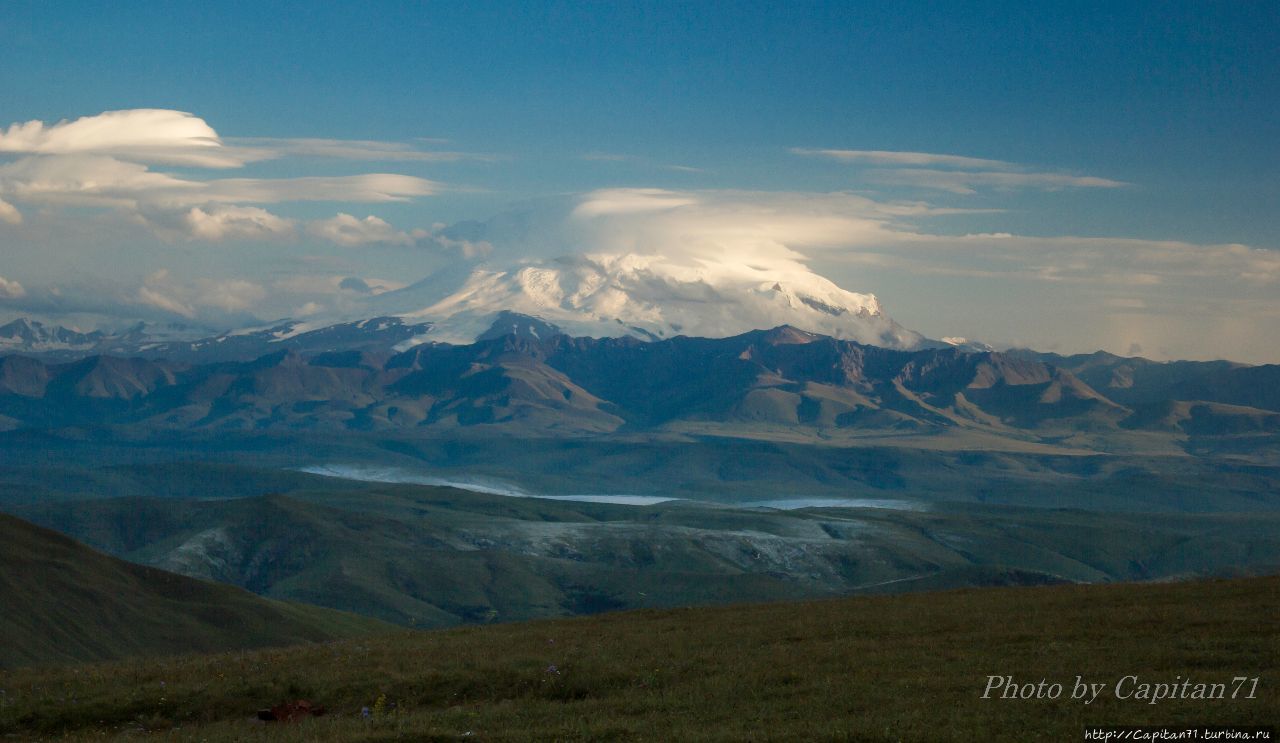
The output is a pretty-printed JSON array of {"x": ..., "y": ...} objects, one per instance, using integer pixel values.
[{"x": 646, "y": 296}]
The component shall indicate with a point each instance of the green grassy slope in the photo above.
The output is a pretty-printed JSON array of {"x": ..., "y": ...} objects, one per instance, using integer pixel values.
[
  {"x": 909, "y": 667},
  {"x": 65, "y": 602}
]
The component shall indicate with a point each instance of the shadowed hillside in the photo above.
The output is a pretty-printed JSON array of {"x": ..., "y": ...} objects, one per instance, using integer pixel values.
[{"x": 65, "y": 602}]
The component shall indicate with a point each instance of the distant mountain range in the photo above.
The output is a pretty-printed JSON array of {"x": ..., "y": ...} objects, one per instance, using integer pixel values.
[
  {"x": 648, "y": 297},
  {"x": 525, "y": 377},
  {"x": 33, "y": 338}
]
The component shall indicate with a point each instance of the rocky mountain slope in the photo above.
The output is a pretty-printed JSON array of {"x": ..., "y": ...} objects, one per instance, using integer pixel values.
[
  {"x": 525, "y": 383},
  {"x": 563, "y": 386}
]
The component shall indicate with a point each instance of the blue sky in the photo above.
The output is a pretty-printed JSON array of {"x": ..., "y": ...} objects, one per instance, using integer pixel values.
[{"x": 1134, "y": 141}]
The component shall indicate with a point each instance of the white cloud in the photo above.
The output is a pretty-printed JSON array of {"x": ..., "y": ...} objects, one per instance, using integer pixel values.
[
  {"x": 308, "y": 284},
  {"x": 953, "y": 284},
  {"x": 734, "y": 224},
  {"x": 333, "y": 285},
  {"x": 614, "y": 201},
  {"x": 308, "y": 309},
  {"x": 85, "y": 180},
  {"x": 244, "y": 222},
  {"x": 955, "y": 173},
  {"x": 349, "y": 231},
  {"x": 156, "y": 291},
  {"x": 155, "y": 298},
  {"x": 11, "y": 289},
  {"x": 381, "y": 286},
  {"x": 1088, "y": 260},
  {"x": 705, "y": 237},
  {"x": 9, "y": 213},
  {"x": 231, "y": 295},
  {"x": 105, "y": 161},
  {"x": 354, "y": 149},
  {"x": 369, "y": 187},
  {"x": 466, "y": 248},
  {"x": 696, "y": 229},
  {"x": 170, "y": 137},
  {"x": 893, "y": 158},
  {"x": 613, "y": 157},
  {"x": 967, "y": 182},
  {"x": 106, "y": 181},
  {"x": 149, "y": 135},
  {"x": 235, "y": 297},
  {"x": 1178, "y": 299},
  {"x": 110, "y": 130}
]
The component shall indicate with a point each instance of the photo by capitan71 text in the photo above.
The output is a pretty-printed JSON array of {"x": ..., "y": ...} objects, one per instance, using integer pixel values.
[{"x": 1133, "y": 688}]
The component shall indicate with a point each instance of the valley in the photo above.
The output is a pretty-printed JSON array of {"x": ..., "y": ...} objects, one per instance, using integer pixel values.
[
  {"x": 432, "y": 556},
  {"x": 533, "y": 476},
  {"x": 638, "y": 371}
]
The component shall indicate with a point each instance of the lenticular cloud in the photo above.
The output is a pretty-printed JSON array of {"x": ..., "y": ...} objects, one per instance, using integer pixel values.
[
  {"x": 147, "y": 134},
  {"x": 106, "y": 161}
]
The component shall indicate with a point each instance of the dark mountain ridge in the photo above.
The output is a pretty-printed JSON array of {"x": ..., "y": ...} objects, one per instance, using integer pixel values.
[{"x": 528, "y": 381}]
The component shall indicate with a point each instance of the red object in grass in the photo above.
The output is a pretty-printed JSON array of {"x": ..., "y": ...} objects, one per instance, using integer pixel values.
[{"x": 290, "y": 711}]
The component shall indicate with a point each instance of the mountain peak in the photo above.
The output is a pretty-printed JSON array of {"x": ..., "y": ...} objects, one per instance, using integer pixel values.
[
  {"x": 19, "y": 329},
  {"x": 784, "y": 335},
  {"x": 521, "y": 326},
  {"x": 23, "y": 334},
  {"x": 646, "y": 296}
]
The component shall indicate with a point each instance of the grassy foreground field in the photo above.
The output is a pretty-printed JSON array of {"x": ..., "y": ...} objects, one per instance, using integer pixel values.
[{"x": 907, "y": 667}]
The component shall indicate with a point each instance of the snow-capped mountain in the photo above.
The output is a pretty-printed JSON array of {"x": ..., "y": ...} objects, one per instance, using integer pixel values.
[
  {"x": 378, "y": 334},
  {"x": 34, "y": 336},
  {"x": 650, "y": 297},
  {"x": 647, "y": 296}
]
